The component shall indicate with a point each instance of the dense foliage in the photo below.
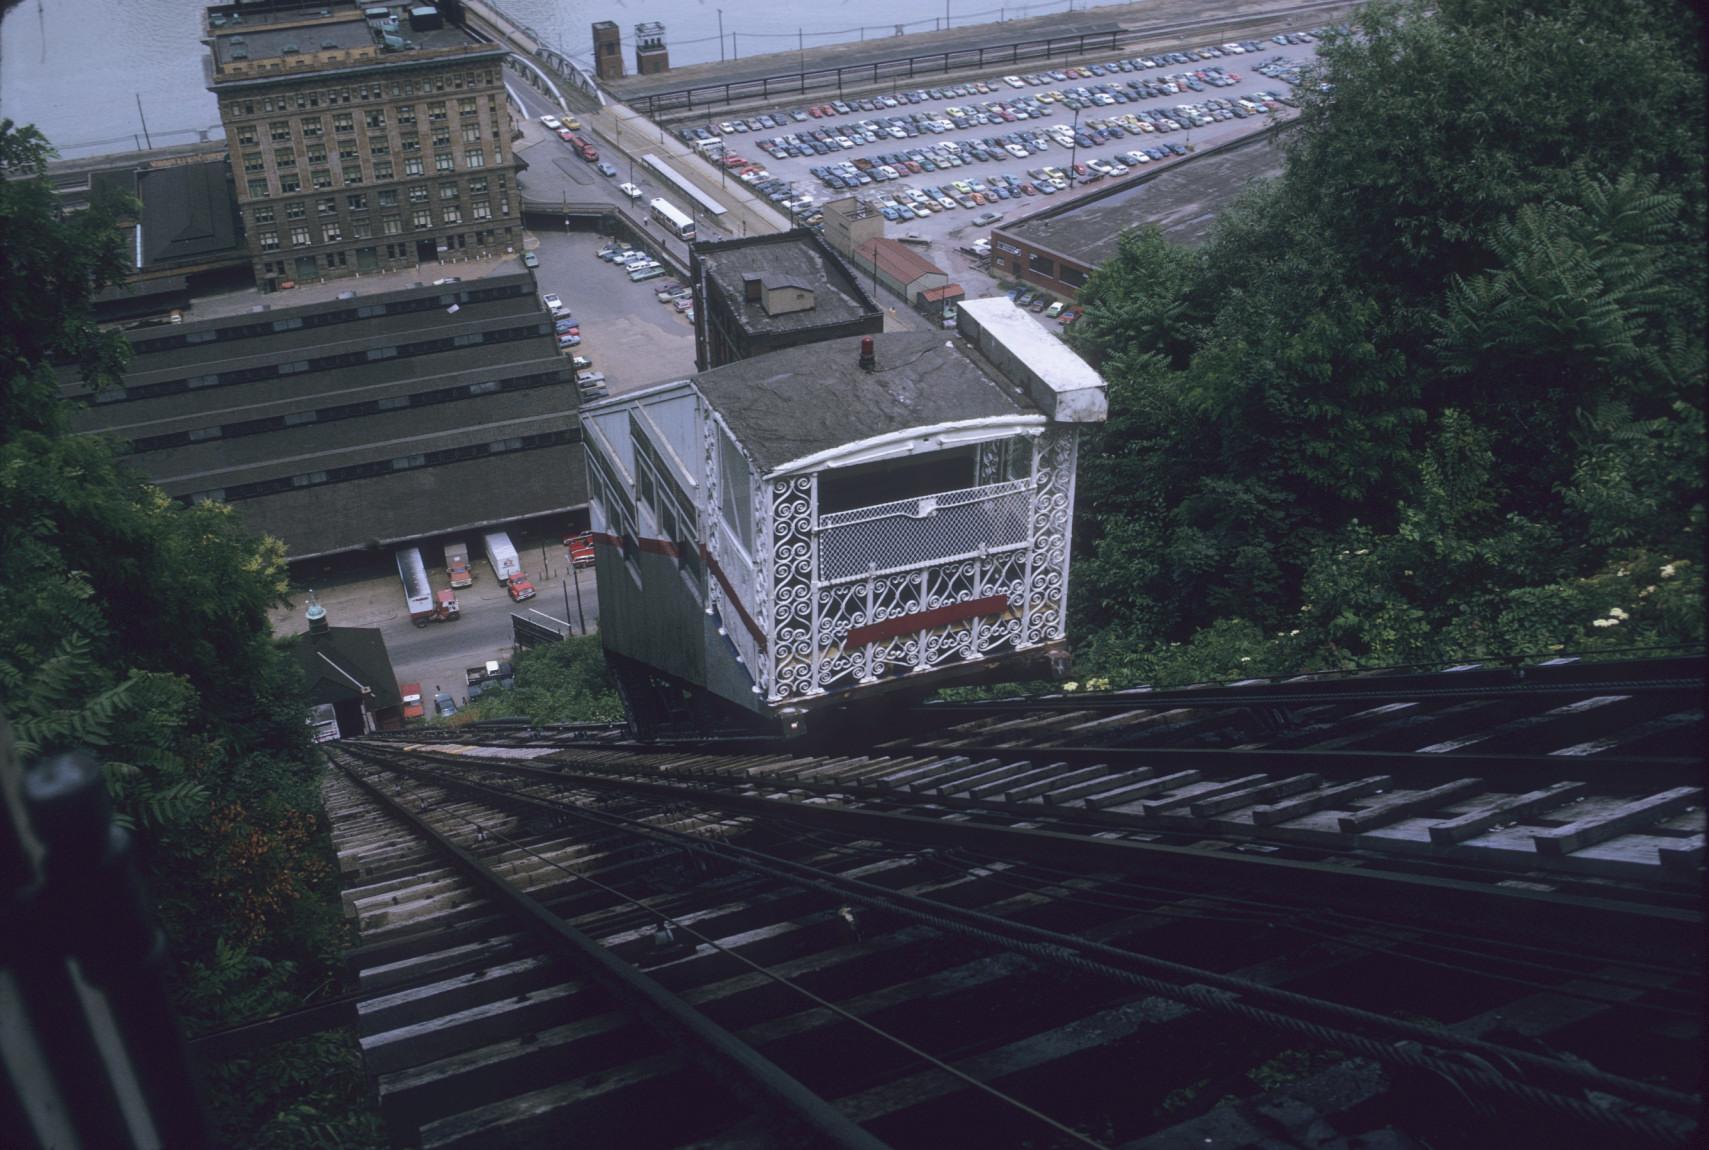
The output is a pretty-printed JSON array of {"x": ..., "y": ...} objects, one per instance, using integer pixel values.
[
  {"x": 567, "y": 682},
  {"x": 1438, "y": 390},
  {"x": 138, "y": 627}
]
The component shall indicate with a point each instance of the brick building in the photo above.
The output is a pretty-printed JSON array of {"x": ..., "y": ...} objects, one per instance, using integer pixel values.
[{"x": 363, "y": 137}]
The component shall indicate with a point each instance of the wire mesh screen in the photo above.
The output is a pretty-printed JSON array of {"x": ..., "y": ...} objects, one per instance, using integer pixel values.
[{"x": 910, "y": 532}]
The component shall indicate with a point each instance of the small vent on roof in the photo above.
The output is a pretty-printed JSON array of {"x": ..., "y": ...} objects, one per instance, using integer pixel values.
[
  {"x": 239, "y": 52},
  {"x": 289, "y": 50},
  {"x": 328, "y": 45}
]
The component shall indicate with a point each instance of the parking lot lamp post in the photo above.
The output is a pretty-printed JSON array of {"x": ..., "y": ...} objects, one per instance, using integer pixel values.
[
  {"x": 1073, "y": 148},
  {"x": 720, "y": 35}
]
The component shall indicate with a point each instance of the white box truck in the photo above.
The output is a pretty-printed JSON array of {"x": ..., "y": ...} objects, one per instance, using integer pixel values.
[{"x": 503, "y": 557}]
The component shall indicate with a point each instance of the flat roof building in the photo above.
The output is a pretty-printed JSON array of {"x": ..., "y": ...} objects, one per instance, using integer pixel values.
[
  {"x": 1058, "y": 249},
  {"x": 766, "y": 293},
  {"x": 363, "y": 137},
  {"x": 337, "y": 425}
]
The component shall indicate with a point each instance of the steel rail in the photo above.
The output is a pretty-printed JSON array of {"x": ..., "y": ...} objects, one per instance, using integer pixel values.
[
  {"x": 1203, "y": 988},
  {"x": 1388, "y": 893},
  {"x": 749, "y": 1071},
  {"x": 1616, "y": 774}
]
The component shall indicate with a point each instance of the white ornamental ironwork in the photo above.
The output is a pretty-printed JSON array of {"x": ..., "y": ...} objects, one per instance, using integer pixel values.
[{"x": 1003, "y": 546}]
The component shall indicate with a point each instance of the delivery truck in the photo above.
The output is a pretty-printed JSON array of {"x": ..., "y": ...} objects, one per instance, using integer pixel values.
[
  {"x": 457, "y": 566},
  {"x": 502, "y": 556}
]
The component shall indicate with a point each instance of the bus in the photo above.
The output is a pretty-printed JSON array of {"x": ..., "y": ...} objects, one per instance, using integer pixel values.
[{"x": 680, "y": 225}]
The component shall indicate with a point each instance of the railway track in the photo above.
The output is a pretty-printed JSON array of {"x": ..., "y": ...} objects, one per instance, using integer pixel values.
[{"x": 885, "y": 955}]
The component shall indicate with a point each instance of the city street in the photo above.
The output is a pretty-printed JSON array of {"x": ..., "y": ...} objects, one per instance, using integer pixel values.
[
  {"x": 628, "y": 334},
  {"x": 366, "y": 593}
]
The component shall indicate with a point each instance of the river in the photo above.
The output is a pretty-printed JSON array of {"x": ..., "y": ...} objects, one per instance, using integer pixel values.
[{"x": 101, "y": 76}]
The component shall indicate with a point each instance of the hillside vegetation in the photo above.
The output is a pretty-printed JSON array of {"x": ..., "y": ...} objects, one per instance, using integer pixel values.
[{"x": 1436, "y": 392}]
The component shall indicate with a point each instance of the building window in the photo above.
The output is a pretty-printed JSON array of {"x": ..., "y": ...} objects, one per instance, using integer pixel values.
[
  {"x": 300, "y": 236},
  {"x": 284, "y": 158},
  {"x": 312, "y": 127},
  {"x": 352, "y": 174},
  {"x": 412, "y": 167},
  {"x": 289, "y": 184},
  {"x": 317, "y": 154},
  {"x": 357, "y": 202},
  {"x": 376, "y": 120},
  {"x": 387, "y": 197},
  {"x": 448, "y": 190},
  {"x": 261, "y": 215},
  {"x": 478, "y": 184},
  {"x": 1072, "y": 276},
  {"x": 453, "y": 214},
  {"x": 418, "y": 193},
  {"x": 361, "y": 229},
  {"x": 1041, "y": 265},
  {"x": 280, "y": 130},
  {"x": 333, "y": 233},
  {"x": 252, "y": 162},
  {"x": 467, "y": 106},
  {"x": 410, "y": 142},
  {"x": 422, "y": 218},
  {"x": 347, "y": 150},
  {"x": 442, "y": 162},
  {"x": 483, "y": 209},
  {"x": 442, "y": 137},
  {"x": 436, "y": 111},
  {"x": 327, "y": 206},
  {"x": 379, "y": 147},
  {"x": 471, "y": 133},
  {"x": 406, "y": 113},
  {"x": 322, "y": 179},
  {"x": 343, "y": 122},
  {"x": 382, "y": 169},
  {"x": 391, "y": 225},
  {"x": 246, "y": 136},
  {"x": 474, "y": 158},
  {"x": 268, "y": 241},
  {"x": 295, "y": 210}
]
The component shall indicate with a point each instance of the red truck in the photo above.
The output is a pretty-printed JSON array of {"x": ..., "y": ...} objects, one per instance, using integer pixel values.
[{"x": 413, "y": 708}]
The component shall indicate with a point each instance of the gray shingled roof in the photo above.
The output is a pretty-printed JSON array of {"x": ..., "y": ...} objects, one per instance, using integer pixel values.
[{"x": 787, "y": 404}]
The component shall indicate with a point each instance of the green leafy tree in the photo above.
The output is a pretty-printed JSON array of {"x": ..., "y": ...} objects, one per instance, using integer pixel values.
[
  {"x": 138, "y": 627},
  {"x": 1438, "y": 389}
]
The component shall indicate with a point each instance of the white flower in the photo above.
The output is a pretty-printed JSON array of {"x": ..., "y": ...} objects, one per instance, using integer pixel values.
[
  {"x": 1294, "y": 632},
  {"x": 1363, "y": 551},
  {"x": 1076, "y": 686},
  {"x": 1667, "y": 572},
  {"x": 1246, "y": 658},
  {"x": 1618, "y": 613},
  {"x": 1605, "y": 623},
  {"x": 1650, "y": 590}
]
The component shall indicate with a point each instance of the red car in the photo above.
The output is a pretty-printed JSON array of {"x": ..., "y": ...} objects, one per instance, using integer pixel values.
[
  {"x": 588, "y": 154},
  {"x": 413, "y": 708},
  {"x": 520, "y": 588}
]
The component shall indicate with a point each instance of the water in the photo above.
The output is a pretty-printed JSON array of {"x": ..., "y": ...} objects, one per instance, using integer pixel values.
[{"x": 78, "y": 68}]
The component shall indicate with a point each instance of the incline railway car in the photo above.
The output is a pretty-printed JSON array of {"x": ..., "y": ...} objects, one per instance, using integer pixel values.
[{"x": 838, "y": 520}]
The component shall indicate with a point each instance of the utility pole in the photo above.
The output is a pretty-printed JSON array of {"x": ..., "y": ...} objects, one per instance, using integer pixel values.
[
  {"x": 565, "y": 585},
  {"x": 576, "y": 575},
  {"x": 144, "y": 120},
  {"x": 720, "y": 35}
]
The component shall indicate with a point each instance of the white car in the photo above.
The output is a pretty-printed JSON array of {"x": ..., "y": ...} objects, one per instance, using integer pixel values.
[
  {"x": 551, "y": 122},
  {"x": 1013, "y": 81},
  {"x": 553, "y": 303}
]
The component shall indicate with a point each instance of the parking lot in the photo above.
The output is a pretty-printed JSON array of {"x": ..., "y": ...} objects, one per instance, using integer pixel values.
[
  {"x": 627, "y": 334},
  {"x": 936, "y": 159}
]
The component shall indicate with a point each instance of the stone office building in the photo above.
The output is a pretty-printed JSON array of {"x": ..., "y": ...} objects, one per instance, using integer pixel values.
[{"x": 363, "y": 137}]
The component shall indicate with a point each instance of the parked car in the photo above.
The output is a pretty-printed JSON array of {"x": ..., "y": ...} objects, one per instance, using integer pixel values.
[
  {"x": 530, "y": 260},
  {"x": 444, "y": 704},
  {"x": 553, "y": 303},
  {"x": 605, "y": 169}
]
